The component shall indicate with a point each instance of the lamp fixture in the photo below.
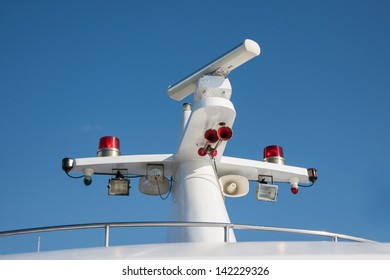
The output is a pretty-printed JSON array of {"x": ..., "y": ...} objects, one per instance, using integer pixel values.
[
  {"x": 266, "y": 192},
  {"x": 88, "y": 172},
  {"x": 109, "y": 146},
  {"x": 118, "y": 185},
  {"x": 274, "y": 154}
]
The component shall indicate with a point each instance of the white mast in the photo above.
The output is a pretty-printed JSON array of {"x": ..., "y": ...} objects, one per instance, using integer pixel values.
[{"x": 197, "y": 194}]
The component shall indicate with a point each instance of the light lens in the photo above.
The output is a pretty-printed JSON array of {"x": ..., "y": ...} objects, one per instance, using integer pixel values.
[
  {"x": 109, "y": 142},
  {"x": 109, "y": 146},
  {"x": 274, "y": 154},
  {"x": 87, "y": 180},
  {"x": 267, "y": 192},
  {"x": 118, "y": 186},
  {"x": 294, "y": 189},
  {"x": 273, "y": 151}
]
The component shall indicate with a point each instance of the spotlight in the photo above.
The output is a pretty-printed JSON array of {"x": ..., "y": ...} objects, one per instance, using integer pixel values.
[
  {"x": 267, "y": 192},
  {"x": 312, "y": 172},
  {"x": 118, "y": 185},
  {"x": 67, "y": 164}
]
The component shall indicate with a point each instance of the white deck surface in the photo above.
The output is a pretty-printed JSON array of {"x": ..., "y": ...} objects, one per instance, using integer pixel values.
[{"x": 322, "y": 250}]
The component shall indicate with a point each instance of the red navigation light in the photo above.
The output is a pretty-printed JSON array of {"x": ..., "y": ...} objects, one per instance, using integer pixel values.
[
  {"x": 274, "y": 154},
  {"x": 211, "y": 135},
  {"x": 108, "y": 146},
  {"x": 294, "y": 189},
  {"x": 225, "y": 133}
]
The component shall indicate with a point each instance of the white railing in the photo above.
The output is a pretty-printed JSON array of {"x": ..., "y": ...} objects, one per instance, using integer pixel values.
[{"x": 226, "y": 226}]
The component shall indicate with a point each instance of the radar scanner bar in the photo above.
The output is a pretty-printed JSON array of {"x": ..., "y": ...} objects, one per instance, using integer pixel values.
[{"x": 225, "y": 64}]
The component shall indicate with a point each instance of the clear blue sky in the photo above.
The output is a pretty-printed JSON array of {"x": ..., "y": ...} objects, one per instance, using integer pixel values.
[{"x": 73, "y": 71}]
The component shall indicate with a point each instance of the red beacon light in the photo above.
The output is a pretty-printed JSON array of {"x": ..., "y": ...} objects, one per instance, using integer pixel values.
[
  {"x": 274, "y": 154},
  {"x": 109, "y": 146}
]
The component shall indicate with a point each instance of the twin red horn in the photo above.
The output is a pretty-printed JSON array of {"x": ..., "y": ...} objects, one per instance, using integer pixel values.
[
  {"x": 225, "y": 133},
  {"x": 211, "y": 135}
]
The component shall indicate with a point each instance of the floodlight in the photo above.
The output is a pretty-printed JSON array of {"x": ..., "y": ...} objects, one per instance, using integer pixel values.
[
  {"x": 118, "y": 186},
  {"x": 266, "y": 192},
  {"x": 67, "y": 164}
]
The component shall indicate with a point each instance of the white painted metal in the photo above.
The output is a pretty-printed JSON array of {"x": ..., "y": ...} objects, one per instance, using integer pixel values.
[
  {"x": 213, "y": 86},
  {"x": 134, "y": 164},
  {"x": 222, "y": 251},
  {"x": 197, "y": 197},
  {"x": 186, "y": 115},
  {"x": 251, "y": 169},
  {"x": 207, "y": 113},
  {"x": 197, "y": 194}
]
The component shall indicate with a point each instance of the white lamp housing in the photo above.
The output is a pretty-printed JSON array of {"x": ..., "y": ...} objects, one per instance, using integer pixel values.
[{"x": 267, "y": 192}]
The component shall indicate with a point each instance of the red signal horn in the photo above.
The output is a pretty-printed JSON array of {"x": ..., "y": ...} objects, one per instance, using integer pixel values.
[
  {"x": 225, "y": 133},
  {"x": 211, "y": 135}
]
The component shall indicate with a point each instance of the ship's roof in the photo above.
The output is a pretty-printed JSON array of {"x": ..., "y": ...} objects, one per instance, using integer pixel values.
[{"x": 321, "y": 250}]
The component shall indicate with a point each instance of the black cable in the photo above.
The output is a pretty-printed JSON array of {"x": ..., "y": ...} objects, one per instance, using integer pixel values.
[
  {"x": 169, "y": 192},
  {"x": 306, "y": 186},
  {"x": 132, "y": 176},
  {"x": 74, "y": 177}
]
